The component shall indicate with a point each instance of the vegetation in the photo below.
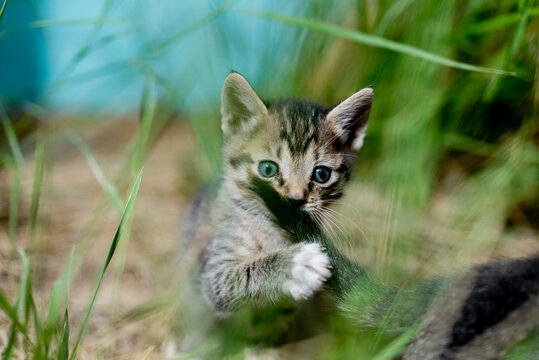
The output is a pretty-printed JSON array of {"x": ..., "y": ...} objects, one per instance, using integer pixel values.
[{"x": 448, "y": 176}]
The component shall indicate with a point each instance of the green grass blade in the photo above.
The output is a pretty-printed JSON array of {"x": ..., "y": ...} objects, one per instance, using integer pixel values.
[
  {"x": 397, "y": 346},
  {"x": 201, "y": 132},
  {"x": 16, "y": 172},
  {"x": 52, "y": 315},
  {"x": 11, "y": 313},
  {"x": 11, "y": 137},
  {"x": 38, "y": 349},
  {"x": 224, "y": 6},
  {"x": 36, "y": 189},
  {"x": 147, "y": 113},
  {"x": 54, "y": 304},
  {"x": 14, "y": 200},
  {"x": 68, "y": 275},
  {"x": 63, "y": 346},
  {"x": 2, "y": 10},
  {"x": 516, "y": 40},
  {"x": 123, "y": 221},
  {"x": 11, "y": 343},
  {"x": 20, "y": 304},
  {"x": 30, "y": 307},
  {"x": 25, "y": 277},
  {"x": 97, "y": 170},
  {"x": 63, "y": 350},
  {"x": 70, "y": 22},
  {"x": 498, "y": 22},
  {"x": 82, "y": 52},
  {"x": 375, "y": 41}
]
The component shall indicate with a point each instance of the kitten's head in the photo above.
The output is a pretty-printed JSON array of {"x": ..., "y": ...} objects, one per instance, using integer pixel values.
[{"x": 301, "y": 152}]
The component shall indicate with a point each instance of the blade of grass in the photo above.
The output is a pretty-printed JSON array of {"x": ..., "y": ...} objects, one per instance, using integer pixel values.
[
  {"x": 119, "y": 231},
  {"x": 20, "y": 304},
  {"x": 25, "y": 277},
  {"x": 23, "y": 300},
  {"x": 397, "y": 346},
  {"x": 498, "y": 22},
  {"x": 224, "y": 6},
  {"x": 146, "y": 115},
  {"x": 81, "y": 53},
  {"x": 11, "y": 343},
  {"x": 11, "y": 137},
  {"x": 63, "y": 346},
  {"x": 97, "y": 170},
  {"x": 30, "y": 307},
  {"x": 201, "y": 132},
  {"x": 40, "y": 24},
  {"x": 36, "y": 189},
  {"x": 147, "y": 112},
  {"x": 63, "y": 350},
  {"x": 516, "y": 40},
  {"x": 54, "y": 304},
  {"x": 2, "y": 10},
  {"x": 11, "y": 313},
  {"x": 16, "y": 172},
  {"x": 375, "y": 41},
  {"x": 159, "y": 48},
  {"x": 67, "y": 22},
  {"x": 14, "y": 208},
  {"x": 68, "y": 275},
  {"x": 52, "y": 315}
]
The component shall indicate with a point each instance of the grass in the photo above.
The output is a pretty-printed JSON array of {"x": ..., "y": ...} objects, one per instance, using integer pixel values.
[{"x": 447, "y": 178}]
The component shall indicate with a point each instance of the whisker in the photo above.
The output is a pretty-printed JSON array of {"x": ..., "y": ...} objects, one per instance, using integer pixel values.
[
  {"x": 337, "y": 224},
  {"x": 351, "y": 222}
]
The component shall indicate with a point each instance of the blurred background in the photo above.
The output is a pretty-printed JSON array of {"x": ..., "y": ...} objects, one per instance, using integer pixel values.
[{"x": 92, "y": 91}]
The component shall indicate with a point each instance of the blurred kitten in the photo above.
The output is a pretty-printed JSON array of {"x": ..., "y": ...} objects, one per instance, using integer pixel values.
[{"x": 288, "y": 149}]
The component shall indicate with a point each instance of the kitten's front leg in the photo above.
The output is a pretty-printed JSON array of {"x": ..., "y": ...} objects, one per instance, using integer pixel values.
[{"x": 296, "y": 271}]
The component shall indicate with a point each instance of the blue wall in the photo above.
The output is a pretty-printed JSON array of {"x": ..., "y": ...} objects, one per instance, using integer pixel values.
[{"x": 44, "y": 60}]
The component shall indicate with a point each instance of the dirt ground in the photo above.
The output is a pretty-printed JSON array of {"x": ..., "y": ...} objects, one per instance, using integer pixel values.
[{"x": 131, "y": 318}]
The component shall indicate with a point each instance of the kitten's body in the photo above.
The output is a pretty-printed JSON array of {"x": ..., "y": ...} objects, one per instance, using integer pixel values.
[{"x": 247, "y": 233}]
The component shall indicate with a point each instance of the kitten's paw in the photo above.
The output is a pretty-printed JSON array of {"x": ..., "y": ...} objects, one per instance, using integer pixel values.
[{"x": 310, "y": 269}]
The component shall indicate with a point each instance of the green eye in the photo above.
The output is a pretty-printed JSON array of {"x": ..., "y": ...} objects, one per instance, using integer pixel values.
[
  {"x": 268, "y": 168},
  {"x": 321, "y": 174}
]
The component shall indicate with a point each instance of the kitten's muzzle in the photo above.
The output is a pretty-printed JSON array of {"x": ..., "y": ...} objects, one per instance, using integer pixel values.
[{"x": 296, "y": 202}]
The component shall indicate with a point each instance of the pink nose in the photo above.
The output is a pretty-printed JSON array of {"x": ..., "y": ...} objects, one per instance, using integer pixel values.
[{"x": 295, "y": 194}]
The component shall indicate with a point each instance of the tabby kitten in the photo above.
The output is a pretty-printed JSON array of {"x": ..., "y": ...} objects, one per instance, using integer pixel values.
[{"x": 284, "y": 163}]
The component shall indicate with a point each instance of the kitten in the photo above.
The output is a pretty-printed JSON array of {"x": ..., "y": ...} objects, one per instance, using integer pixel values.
[
  {"x": 261, "y": 243},
  {"x": 289, "y": 149}
]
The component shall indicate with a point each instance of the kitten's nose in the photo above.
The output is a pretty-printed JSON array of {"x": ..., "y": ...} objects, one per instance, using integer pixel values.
[{"x": 295, "y": 200}]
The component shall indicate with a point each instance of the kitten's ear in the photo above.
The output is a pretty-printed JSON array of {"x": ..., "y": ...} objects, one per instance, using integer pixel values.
[
  {"x": 240, "y": 106},
  {"x": 349, "y": 118}
]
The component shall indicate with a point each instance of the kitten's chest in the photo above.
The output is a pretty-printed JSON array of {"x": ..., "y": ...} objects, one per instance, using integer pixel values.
[{"x": 254, "y": 236}]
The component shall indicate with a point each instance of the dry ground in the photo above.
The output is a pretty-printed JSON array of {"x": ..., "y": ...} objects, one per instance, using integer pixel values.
[{"x": 75, "y": 212}]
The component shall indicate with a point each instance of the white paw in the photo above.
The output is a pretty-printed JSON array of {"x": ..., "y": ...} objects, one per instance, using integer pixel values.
[{"x": 310, "y": 269}]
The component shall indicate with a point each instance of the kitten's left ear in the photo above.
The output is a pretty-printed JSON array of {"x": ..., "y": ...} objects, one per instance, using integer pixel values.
[{"x": 349, "y": 118}]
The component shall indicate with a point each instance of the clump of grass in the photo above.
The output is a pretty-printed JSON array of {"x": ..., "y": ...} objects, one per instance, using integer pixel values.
[{"x": 25, "y": 316}]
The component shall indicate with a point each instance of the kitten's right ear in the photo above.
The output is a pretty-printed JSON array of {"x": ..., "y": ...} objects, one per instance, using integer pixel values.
[{"x": 240, "y": 106}]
